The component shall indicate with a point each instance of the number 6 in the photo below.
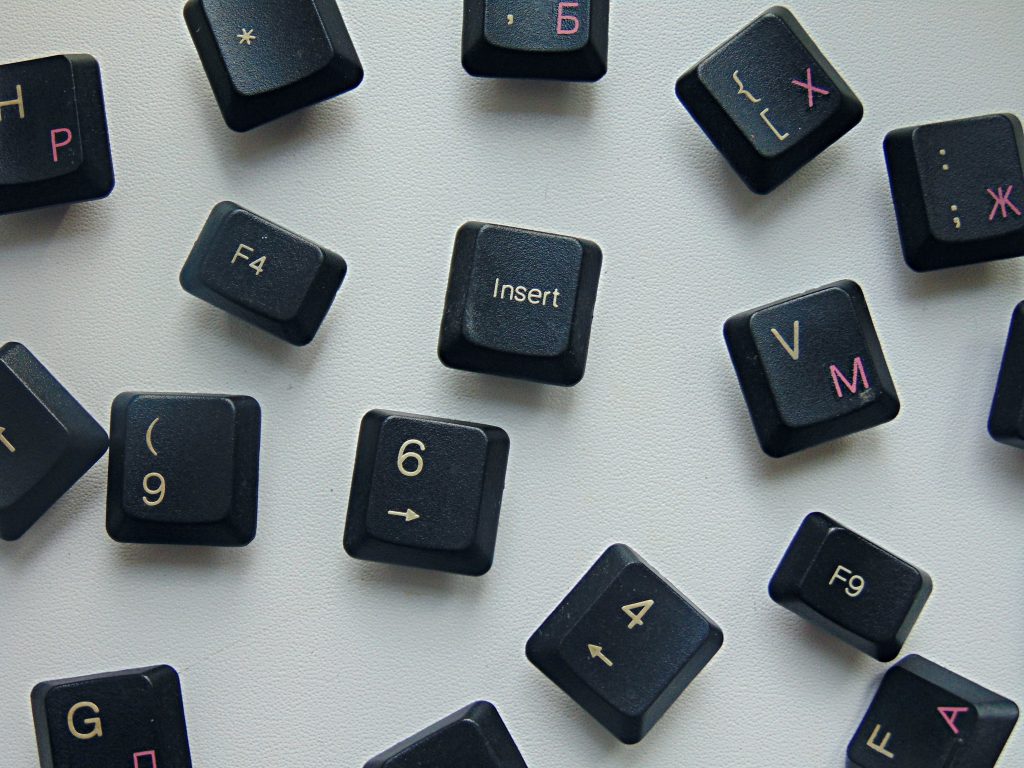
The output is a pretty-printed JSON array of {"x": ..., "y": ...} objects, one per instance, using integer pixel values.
[{"x": 405, "y": 456}]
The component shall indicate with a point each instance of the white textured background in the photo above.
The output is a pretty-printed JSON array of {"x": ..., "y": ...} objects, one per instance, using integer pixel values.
[{"x": 293, "y": 654}]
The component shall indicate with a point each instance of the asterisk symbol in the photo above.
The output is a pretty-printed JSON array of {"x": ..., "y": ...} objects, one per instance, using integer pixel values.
[{"x": 246, "y": 37}]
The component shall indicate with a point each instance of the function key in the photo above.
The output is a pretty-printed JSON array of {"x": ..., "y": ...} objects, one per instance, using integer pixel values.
[
  {"x": 811, "y": 368},
  {"x": 958, "y": 189},
  {"x": 1006, "y": 419},
  {"x": 266, "y": 58},
  {"x": 520, "y": 303},
  {"x": 54, "y": 146},
  {"x": 769, "y": 100}
]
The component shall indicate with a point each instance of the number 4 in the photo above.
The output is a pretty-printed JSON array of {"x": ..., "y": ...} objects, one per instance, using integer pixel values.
[
  {"x": 258, "y": 264},
  {"x": 637, "y": 611}
]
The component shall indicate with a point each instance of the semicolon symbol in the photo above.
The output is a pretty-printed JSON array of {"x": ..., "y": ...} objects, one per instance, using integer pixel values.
[{"x": 149, "y": 436}]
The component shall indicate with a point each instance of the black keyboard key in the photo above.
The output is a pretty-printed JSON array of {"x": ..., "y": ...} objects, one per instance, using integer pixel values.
[
  {"x": 266, "y": 58},
  {"x": 262, "y": 273},
  {"x": 184, "y": 469},
  {"x": 811, "y": 368},
  {"x": 544, "y": 39},
  {"x": 47, "y": 440},
  {"x": 958, "y": 189},
  {"x": 769, "y": 100},
  {"x": 54, "y": 146},
  {"x": 426, "y": 492},
  {"x": 520, "y": 304},
  {"x": 624, "y": 643},
  {"x": 925, "y": 716},
  {"x": 130, "y": 719},
  {"x": 850, "y": 587},
  {"x": 1006, "y": 420},
  {"x": 474, "y": 737}
]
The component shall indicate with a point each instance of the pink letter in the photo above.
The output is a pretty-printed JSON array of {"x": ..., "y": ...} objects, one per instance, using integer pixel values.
[
  {"x": 858, "y": 371},
  {"x": 563, "y": 17},
  {"x": 53, "y": 140},
  {"x": 151, "y": 754}
]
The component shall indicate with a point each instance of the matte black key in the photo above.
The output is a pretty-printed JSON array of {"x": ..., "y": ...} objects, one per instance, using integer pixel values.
[
  {"x": 184, "y": 469},
  {"x": 426, "y": 492},
  {"x": 811, "y": 368},
  {"x": 545, "y": 39},
  {"x": 47, "y": 440},
  {"x": 925, "y": 716},
  {"x": 1006, "y": 420},
  {"x": 130, "y": 719},
  {"x": 54, "y": 146},
  {"x": 266, "y": 58},
  {"x": 520, "y": 304},
  {"x": 624, "y": 643},
  {"x": 474, "y": 737},
  {"x": 850, "y": 587},
  {"x": 958, "y": 188},
  {"x": 262, "y": 273},
  {"x": 769, "y": 100}
]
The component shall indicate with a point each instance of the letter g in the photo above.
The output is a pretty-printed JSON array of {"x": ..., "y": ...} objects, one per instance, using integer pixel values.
[{"x": 95, "y": 722}]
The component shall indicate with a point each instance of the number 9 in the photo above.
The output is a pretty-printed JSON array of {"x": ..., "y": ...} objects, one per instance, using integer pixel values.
[
  {"x": 405, "y": 456},
  {"x": 160, "y": 491}
]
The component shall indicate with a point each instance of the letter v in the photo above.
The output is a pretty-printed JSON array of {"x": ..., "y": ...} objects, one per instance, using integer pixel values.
[{"x": 793, "y": 351}]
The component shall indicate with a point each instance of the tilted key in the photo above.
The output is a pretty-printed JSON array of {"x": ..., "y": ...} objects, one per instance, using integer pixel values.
[
  {"x": 266, "y": 58},
  {"x": 130, "y": 719},
  {"x": 1006, "y": 419},
  {"x": 811, "y": 368},
  {"x": 184, "y": 469},
  {"x": 769, "y": 100},
  {"x": 54, "y": 146},
  {"x": 624, "y": 644},
  {"x": 47, "y": 440}
]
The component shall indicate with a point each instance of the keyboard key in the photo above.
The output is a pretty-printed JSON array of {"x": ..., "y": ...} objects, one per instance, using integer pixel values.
[
  {"x": 266, "y": 58},
  {"x": 130, "y": 719},
  {"x": 958, "y": 188},
  {"x": 624, "y": 644},
  {"x": 543, "y": 39},
  {"x": 1006, "y": 420},
  {"x": 262, "y": 273},
  {"x": 426, "y": 492},
  {"x": 769, "y": 100},
  {"x": 184, "y": 469},
  {"x": 54, "y": 146},
  {"x": 850, "y": 587},
  {"x": 811, "y": 368},
  {"x": 520, "y": 304},
  {"x": 924, "y": 716},
  {"x": 474, "y": 737},
  {"x": 47, "y": 440}
]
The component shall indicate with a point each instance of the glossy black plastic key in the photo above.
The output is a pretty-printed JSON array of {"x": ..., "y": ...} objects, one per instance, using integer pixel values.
[
  {"x": 811, "y": 368},
  {"x": 266, "y": 58},
  {"x": 520, "y": 303},
  {"x": 958, "y": 189},
  {"x": 47, "y": 440},
  {"x": 426, "y": 492},
  {"x": 184, "y": 469},
  {"x": 624, "y": 643},
  {"x": 262, "y": 273},
  {"x": 769, "y": 100},
  {"x": 850, "y": 587},
  {"x": 474, "y": 737},
  {"x": 54, "y": 146},
  {"x": 129, "y": 719},
  {"x": 546, "y": 39},
  {"x": 925, "y": 716},
  {"x": 1006, "y": 419}
]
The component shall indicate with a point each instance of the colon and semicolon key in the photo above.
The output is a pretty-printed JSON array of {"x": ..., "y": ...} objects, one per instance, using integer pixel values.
[{"x": 54, "y": 146}]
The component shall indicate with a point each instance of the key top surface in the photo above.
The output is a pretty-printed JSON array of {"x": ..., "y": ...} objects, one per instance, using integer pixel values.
[
  {"x": 129, "y": 719},
  {"x": 474, "y": 737},
  {"x": 263, "y": 274},
  {"x": 769, "y": 100},
  {"x": 624, "y": 643},
  {"x": 54, "y": 146},
  {"x": 811, "y": 368},
  {"x": 925, "y": 716},
  {"x": 184, "y": 469},
  {"x": 47, "y": 440},
  {"x": 1006, "y": 419},
  {"x": 958, "y": 190}
]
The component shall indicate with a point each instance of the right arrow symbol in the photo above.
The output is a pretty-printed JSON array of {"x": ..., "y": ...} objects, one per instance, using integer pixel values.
[
  {"x": 950, "y": 714},
  {"x": 597, "y": 652},
  {"x": 409, "y": 515}
]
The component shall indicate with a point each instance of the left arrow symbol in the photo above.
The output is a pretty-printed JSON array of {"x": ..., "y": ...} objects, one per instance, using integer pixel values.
[
  {"x": 409, "y": 515},
  {"x": 5, "y": 441},
  {"x": 597, "y": 652}
]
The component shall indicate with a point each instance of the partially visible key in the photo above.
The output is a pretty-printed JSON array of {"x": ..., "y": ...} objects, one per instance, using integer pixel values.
[
  {"x": 54, "y": 146},
  {"x": 266, "y": 58},
  {"x": 474, "y": 737},
  {"x": 129, "y": 719},
  {"x": 546, "y": 39},
  {"x": 925, "y": 716},
  {"x": 1006, "y": 419},
  {"x": 47, "y": 440}
]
